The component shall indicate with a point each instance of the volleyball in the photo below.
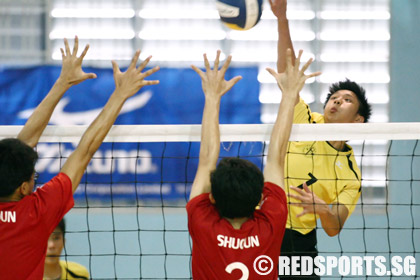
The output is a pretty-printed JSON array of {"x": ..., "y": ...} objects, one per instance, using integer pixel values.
[{"x": 239, "y": 14}]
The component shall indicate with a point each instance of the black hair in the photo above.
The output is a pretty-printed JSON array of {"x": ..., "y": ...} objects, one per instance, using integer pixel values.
[
  {"x": 365, "y": 109},
  {"x": 17, "y": 165},
  {"x": 236, "y": 186},
  {"x": 62, "y": 226}
]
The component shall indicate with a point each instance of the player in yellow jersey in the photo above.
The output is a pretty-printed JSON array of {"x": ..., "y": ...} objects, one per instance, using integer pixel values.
[
  {"x": 55, "y": 268},
  {"x": 329, "y": 165}
]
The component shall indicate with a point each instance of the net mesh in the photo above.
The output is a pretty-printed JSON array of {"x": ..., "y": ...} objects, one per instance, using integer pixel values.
[{"x": 129, "y": 221}]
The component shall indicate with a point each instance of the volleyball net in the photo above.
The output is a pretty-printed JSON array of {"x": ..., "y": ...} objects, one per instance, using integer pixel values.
[{"x": 129, "y": 220}]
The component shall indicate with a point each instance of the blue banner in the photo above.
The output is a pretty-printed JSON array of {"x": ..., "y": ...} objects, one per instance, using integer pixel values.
[{"x": 131, "y": 170}]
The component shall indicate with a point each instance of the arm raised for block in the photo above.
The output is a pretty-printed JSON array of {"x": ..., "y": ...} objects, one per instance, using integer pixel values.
[
  {"x": 71, "y": 74},
  {"x": 127, "y": 84},
  {"x": 214, "y": 87},
  {"x": 291, "y": 81}
]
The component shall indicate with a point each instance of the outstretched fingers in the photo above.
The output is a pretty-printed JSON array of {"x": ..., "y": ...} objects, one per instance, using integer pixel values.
[
  {"x": 138, "y": 71},
  {"x": 216, "y": 61},
  {"x": 298, "y": 58},
  {"x": 299, "y": 191},
  {"x": 198, "y": 71},
  {"x": 206, "y": 63},
  {"x": 314, "y": 74},
  {"x": 306, "y": 188},
  {"x": 115, "y": 67},
  {"x": 66, "y": 46},
  {"x": 144, "y": 64},
  {"x": 307, "y": 64},
  {"x": 84, "y": 52},
  {"x": 232, "y": 82},
  {"x": 150, "y": 71},
  {"x": 271, "y": 71},
  {"x": 225, "y": 65},
  {"x": 90, "y": 76},
  {"x": 66, "y": 51},
  {"x": 149, "y": 83},
  {"x": 134, "y": 60},
  {"x": 213, "y": 80},
  {"x": 76, "y": 45}
]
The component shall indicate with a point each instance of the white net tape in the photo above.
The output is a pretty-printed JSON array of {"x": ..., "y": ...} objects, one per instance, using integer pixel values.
[{"x": 234, "y": 132}]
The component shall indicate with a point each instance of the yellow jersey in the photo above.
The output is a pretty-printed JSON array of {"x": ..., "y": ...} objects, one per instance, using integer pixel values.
[
  {"x": 339, "y": 178},
  {"x": 73, "y": 271}
]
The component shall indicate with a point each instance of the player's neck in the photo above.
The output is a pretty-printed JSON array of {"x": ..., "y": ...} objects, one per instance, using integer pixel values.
[
  {"x": 11, "y": 198},
  {"x": 237, "y": 222},
  {"x": 52, "y": 271},
  {"x": 338, "y": 145}
]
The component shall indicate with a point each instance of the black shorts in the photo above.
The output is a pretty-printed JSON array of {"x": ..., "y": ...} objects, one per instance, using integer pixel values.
[{"x": 297, "y": 244}]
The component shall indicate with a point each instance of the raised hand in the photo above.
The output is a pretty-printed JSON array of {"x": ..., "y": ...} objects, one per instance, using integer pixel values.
[
  {"x": 309, "y": 201},
  {"x": 214, "y": 87},
  {"x": 293, "y": 79},
  {"x": 278, "y": 7},
  {"x": 213, "y": 80},
  {"x": 71, "y": 71},
  {"x": 71, "y": 74},
  {"x": 132, "y": 80}
]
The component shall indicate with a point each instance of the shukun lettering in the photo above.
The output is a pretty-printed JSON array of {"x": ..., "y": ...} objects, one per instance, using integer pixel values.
[{"x": 238, "y": 243}]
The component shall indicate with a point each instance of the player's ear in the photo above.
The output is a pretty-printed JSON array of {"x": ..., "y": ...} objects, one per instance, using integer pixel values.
[
  {"x": 359, "y": 119},
  {"x": 212, "y": 200},
  {"x": 25, "y": 189}
]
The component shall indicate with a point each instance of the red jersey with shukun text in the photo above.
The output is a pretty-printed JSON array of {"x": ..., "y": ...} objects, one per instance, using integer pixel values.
[
  {"x": 251, "y": 252},
  {"x": 25, "y": 226}
]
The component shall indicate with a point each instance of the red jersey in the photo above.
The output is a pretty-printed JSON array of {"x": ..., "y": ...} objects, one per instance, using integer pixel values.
[
  {"x": 25, "y": 226},
  {"x": 222, "y": 252}
]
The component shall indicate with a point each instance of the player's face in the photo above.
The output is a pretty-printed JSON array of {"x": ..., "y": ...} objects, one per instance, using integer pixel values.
[
  {"x": 55, "y": 246},
  {"x": 342, "y": 107}
]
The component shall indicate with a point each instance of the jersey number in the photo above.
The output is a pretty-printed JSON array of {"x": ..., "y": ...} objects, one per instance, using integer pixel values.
[{"x": 238, "y": 265}]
